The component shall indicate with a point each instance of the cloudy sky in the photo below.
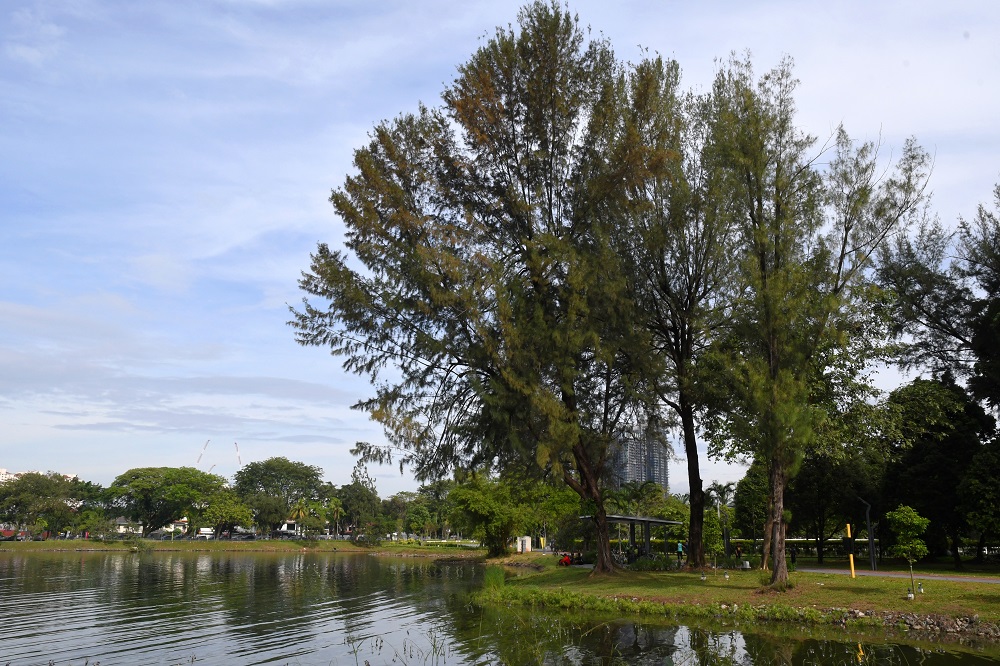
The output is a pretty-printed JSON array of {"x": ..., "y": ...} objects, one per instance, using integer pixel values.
[{"x": 165, "y": 167}]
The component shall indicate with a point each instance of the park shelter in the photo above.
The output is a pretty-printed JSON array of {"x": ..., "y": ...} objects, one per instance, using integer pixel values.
[{"x": 646, "y": 522}]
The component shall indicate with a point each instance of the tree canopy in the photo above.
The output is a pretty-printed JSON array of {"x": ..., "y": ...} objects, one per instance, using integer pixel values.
[
  {"x": 945, "y": 284},
  {"x": 806, "y": 237},
  {"x": 271, "y": 487},
  {"x": 481, "y": 269},
  {"x": 39, "y": 502},
  {"x": 154, "y": 496},
  {"x": 568, "y": 250}
]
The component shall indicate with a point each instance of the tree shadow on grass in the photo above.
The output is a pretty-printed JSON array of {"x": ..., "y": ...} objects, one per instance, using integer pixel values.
[
  {"x": 856, "y": 591},
  {"x": 991, "y": 599}
]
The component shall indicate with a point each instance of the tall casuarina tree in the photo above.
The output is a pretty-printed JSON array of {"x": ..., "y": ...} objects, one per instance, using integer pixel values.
[
  {"x": 807, "y": 230},
  {"x": 480, "y": 290}
]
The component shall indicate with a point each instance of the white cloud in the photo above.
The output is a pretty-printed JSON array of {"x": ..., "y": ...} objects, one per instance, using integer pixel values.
[{"x": 32, "y": 38}]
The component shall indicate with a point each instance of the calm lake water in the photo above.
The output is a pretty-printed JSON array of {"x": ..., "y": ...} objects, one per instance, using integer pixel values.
[{"x": 305, "y": 609}]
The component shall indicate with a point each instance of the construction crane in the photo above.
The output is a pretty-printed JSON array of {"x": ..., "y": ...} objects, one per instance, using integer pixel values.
[{"x": 202, "y": 451}]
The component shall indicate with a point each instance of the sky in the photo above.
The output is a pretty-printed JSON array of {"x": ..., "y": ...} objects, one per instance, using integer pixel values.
[{"x": 165, "y": 168}]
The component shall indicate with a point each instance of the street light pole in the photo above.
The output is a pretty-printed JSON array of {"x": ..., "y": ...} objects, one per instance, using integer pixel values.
[{"x": 871, "y": 537}]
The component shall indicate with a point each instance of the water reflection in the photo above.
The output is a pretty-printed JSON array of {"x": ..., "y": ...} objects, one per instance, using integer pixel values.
[{"x": 309, "y": 608}]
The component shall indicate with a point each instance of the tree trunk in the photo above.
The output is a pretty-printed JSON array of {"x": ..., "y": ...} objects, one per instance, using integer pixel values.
[
  {"x": 779, "y": 573},
  {"x": 588, "y": 487},
  {"x": 956, "y": 542},
  {"x": 768, "y": 533},
  {"x": 605, "y": 563},
  {"x": 696, "y": 547}
]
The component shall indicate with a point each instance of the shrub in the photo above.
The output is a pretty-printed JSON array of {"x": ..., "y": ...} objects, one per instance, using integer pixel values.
[{"x": 494, "y": 579}]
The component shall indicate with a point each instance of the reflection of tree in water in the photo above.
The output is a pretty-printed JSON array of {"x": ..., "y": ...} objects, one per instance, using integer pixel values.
[
  {"x": 299, "y": 609},
  {"x": 277, "y": 598},
  {"x": 532, "y": 636},
  {"x": 515, "y": 635}
]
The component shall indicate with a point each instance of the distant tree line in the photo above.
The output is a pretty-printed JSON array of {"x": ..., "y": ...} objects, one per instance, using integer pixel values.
[
  {"x": 924, "y": 470},
  {"x": 261, "y": 497}
]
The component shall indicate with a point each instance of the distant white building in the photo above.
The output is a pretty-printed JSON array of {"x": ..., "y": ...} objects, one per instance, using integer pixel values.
[{"x": 6, "y": 476}]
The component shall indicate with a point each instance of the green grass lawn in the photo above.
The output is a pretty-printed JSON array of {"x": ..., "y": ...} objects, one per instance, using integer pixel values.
[
  {"x": 686, "y": 592},
  {"x": 943, "y": 565}
]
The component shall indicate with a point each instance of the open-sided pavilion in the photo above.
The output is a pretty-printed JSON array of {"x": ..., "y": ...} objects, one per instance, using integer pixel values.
[{"x": 646, "y": 522}]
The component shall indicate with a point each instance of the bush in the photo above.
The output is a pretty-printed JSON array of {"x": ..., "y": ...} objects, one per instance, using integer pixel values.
[{"x": 652, "y": 563}]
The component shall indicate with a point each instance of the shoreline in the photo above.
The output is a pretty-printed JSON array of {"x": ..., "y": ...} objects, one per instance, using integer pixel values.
[
  {"x": 223, "y": 546},
  {"x": 955, "y": 609},
  {"x": 911, "y": 626},
  {"x": 534, "y": 580}
]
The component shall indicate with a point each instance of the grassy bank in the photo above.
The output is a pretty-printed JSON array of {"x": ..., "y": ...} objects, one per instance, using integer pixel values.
[{"x": 960, "y": 607}]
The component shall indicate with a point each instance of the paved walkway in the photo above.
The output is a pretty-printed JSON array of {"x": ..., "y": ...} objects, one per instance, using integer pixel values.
[{"x": 905, "y": 574}]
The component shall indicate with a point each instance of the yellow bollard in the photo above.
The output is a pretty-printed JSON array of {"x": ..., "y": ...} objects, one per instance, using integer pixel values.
[{"x": 850, "y": 555}]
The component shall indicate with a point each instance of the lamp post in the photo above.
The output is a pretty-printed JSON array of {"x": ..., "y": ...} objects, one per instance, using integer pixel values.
[{"x": 871, "y": 537}]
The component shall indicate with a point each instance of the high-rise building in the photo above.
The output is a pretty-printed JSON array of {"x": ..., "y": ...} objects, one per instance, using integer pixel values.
[{"x": 640, "y": 459}]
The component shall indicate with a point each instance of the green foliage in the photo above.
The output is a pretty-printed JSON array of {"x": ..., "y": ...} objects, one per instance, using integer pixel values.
[
  {"x": 805, "y": 241},
  {"x": 490, "y": 308},
  {"x": 494, "y": 578},
  {"x": 39, "y": 502},
  {"x": 637, "y": 498},
  {"x": 678, "y": 245},
  {"x": 945, "y": 284},
  {"x": 940, "y": 433},
  {"x": 979, "y": 490},
  {"x": 225, "y": 510},
  {"x": 979, "y": 245},
  {"x": 271, "y": 487},
  {"x": 823, "y": 497},
  {"x": 93, "y": 521},
  {"x": 908, "y": 526},
  {"x": 750, "y": 501},
  {"x": 485, "y": 510},
  {"x": 373, "y": 531},
  {"x": 333, "y": 513},
  {"x": 154, "y": 496},
  {"x": 434, "y": 496},
  {"x": 658, "y": 562},
  {"x": 674, "y": 509},
  {"x": 269, "y": 512},
  {"x": 418, "y": 519},
  {"x": 713, "y": 533},
  {"x": 361, "y": 504}
]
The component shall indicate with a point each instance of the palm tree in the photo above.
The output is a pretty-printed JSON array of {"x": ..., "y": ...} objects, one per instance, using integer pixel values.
[
  {"x": 299, "y": 511},
  {"x": 334, "y": 512},
  {"x": 634, "y": 498},
  {"x": 638, "y": 495},
  {"x": 722, "y": 494}
]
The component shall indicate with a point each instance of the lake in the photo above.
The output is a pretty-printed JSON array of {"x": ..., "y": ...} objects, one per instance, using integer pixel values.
[{"x": 85, "y": 608}]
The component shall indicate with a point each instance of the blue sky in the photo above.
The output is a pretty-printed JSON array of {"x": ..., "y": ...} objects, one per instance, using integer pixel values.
[{"x": 165, "y": 167}]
